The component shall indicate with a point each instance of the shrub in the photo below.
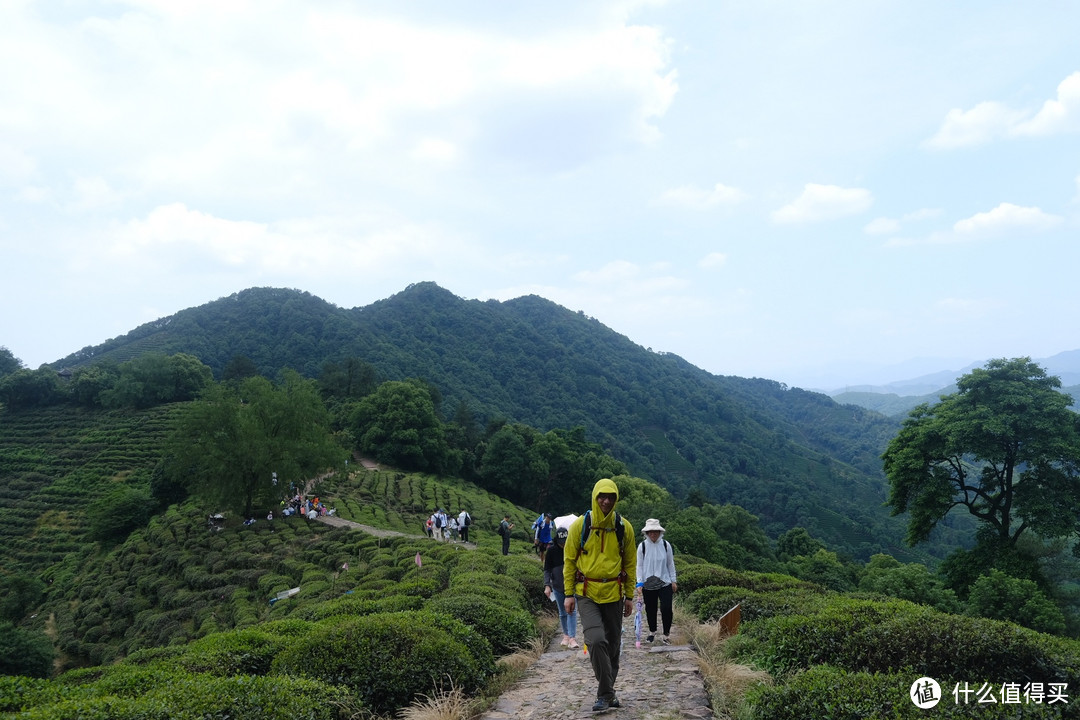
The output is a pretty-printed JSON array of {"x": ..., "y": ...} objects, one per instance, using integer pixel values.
[
  {"x": 530, "y": 573},
  {"x": 1002, "y": 597},
  {"x": 711, "y": 602},
  {"x": 18, "y": 692},
  {"x": 360, "y": 605},
  {"x": 862, "y": 635},
  {"x": 113, "y": 516},
  {"x": 505, "y": 629},
  {"x": 499, "y": 587},
  {"x": 23, "y": 652},
  {"x": 236, "y": 652},
  {"x": 389, "y": 659},
  {"x": 163, "y": 694},
  {"x": 830, "y": 692},
  {"x": 695, "y": 577}
]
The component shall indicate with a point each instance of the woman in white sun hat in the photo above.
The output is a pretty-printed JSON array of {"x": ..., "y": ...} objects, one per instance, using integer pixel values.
[{"x": 656, "y": 577}]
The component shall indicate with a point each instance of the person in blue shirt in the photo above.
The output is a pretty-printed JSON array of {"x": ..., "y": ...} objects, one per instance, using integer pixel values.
[{"x": 543, "y": 527}]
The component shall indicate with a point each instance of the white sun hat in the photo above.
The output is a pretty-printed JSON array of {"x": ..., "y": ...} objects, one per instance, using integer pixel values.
[{"x": 652, "y": 524}]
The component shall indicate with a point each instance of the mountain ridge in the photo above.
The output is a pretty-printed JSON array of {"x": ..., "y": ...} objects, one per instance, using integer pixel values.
[{"x": 790, "y": 456}]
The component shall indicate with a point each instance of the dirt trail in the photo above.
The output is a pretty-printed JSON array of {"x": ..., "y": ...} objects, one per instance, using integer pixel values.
[{"x": 656, "y": 682}]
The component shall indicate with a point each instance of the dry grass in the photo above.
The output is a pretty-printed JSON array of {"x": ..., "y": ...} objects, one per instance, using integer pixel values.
[
  {"x": 726, "y": 681},
  {"x": 452, "y": 705},
  {"x": 524, "y": 658}
]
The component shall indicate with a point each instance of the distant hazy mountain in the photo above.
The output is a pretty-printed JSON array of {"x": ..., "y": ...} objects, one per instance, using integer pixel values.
[{"x": 900, "y": 396}]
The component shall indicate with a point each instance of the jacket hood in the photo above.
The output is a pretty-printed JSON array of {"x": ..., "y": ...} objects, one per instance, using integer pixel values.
[{"x": 606, "y": 485}]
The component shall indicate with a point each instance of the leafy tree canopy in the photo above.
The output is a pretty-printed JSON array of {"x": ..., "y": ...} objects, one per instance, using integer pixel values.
[
  {"x": 1005, "y": 446},
  {"x": 886, "y": 575},
  {"x": 8, "y": 362},
  {"x": 23, "y": 652},
  {"x": 228, "y": 444},
  {"x": 1002, "y": 597},
  {"x": 398, "y": 425}
]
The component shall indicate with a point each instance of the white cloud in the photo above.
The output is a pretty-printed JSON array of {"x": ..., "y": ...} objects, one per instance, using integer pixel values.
[
  {"x": 695, "y": 198},
  {"x": 985, "y": 122},
  {"x": 1005, "y": 217},
  {"x": 176, "y": 237},
  {"x": 824, "y": 202},
  {"x": 922, "y": 214},
  {"x": 891, "y": 226},
  {"x": 992, "y": 120},
  {"x": 713, "y": 260},
  {"x": 435, "y": 149},
  {"x": 882, "y": 226},
  {"x": 93, "y": 193},
  {"x": 1056, "y": 116},
  {"x": 16, "y": 166},
  {"x": 248, "y": 96}
]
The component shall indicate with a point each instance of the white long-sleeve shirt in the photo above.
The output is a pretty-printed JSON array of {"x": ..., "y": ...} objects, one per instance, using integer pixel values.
[{"x": 655, "y": 558}]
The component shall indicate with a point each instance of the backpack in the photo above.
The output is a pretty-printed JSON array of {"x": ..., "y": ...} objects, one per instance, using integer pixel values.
[
  {"x": 667, "y": 547},
  {"x": 503, "y": 530},
  {"x": 586, "y": 528},
  {"x": 468, "y": 519}
]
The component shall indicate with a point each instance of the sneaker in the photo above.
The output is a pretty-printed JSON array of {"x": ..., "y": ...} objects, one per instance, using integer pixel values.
[
  {"x": 573, "y": 644},
  {"x": 667, "y": 640},
  {"x": 600, "y": 704},
  {"x": 650, "y": 638},
  {"x": 614, "y": 702},
  {"x": 565, "y": 640}
]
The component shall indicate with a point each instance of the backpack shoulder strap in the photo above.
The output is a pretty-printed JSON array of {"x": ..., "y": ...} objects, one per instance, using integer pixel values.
[{"x": 586, "y": 526}]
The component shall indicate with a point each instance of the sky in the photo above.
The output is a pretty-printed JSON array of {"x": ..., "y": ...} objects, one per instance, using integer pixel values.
[{"x": 823, "y": 193}]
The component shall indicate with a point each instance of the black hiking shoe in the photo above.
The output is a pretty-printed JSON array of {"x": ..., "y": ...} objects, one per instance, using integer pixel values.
[
  {"x": 600, "y": 705},
  {"x": 614, "y": 702}
]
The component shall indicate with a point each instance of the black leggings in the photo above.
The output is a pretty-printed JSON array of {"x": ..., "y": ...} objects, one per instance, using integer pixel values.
[{"x": 664, "y": 596}]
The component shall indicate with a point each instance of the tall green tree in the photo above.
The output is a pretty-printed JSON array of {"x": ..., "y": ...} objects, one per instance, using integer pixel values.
[
  {"x": 1005, "y": 447},
  {"x": 8, "y": 362},
  {"x": 229, "y": 443},
  {"x": 398, "y": 425},
  {"x": 31, "y": 388}
]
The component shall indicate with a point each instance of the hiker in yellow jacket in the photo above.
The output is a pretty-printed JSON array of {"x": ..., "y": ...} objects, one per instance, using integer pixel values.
[{"x": 599, "y": 571}]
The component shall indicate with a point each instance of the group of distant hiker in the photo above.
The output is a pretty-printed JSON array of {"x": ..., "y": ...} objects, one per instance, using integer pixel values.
[
  {"x": 448, "y": 527},
  {"x": 311, "y": 508},
  {"x": 606, "y": 577}
]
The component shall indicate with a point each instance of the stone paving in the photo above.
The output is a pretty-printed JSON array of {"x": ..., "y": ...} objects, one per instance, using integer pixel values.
[{"x": 656, "y": 682}]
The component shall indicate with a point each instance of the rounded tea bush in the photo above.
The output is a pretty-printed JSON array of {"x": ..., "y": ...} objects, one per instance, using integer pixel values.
[
  {"x": 505, "y": 629},
  {"x": 389, "y": 659},
  {"x": 872, "y": 636},
  {"x": 356, "y": 605},
  {"x": 830, "y": 692},
  {"x": 169, "y": 695},
  {"x": 498, "y": 587},
  {"x": 711, "y": 602}
]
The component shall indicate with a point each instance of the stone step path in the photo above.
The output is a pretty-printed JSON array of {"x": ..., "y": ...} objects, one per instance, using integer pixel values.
[{"x": 656, "y": 682}]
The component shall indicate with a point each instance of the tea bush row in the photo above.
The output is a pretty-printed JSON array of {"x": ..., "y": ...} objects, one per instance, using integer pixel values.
[
  {"x": 888, "y": 636},
  {"x": 830, "y": 693}
]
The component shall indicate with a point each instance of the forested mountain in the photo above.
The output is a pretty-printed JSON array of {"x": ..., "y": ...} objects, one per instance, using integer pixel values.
[{"x": 792, "y": 457}]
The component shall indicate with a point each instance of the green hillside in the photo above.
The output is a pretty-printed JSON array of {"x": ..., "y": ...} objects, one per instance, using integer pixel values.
[
  {"x": 780, "y": 452},
  {"x": 55, "y": 462},
  {"x": 183, "y": 620}
]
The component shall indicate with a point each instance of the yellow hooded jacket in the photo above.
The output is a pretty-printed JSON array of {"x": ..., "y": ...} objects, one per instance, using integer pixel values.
[{"x": 598, "y": 570}]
